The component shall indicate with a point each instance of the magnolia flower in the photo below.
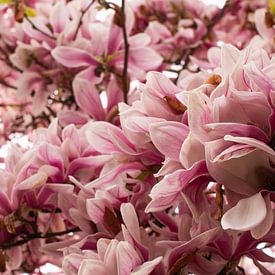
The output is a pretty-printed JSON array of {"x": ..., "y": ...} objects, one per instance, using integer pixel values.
[
  {"x": 105, "y": 52},
  {"x": 113, "y": 256},
  {"x": 238, "y": 145}
]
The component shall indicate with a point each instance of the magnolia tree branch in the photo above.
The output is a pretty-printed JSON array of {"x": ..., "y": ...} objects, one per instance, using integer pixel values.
[
  {"x": 7, "y": 60},
  {"x": 189, "y": 51},
  {"x": 39, "y": 235},
  {"x": 83, "y": 12},
  {"x": 4, "y": 83},
  {"x": 39, "y": 30},
  {"x": 125, "y": 84},
  {"x": 216, "y": 19},
  {"x": 14, "y": 105}
]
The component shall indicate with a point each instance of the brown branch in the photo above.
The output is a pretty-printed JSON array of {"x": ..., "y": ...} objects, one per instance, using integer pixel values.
[
  {"x": 126, "y": 53},
  {"x": 216, "y": 19},
  {"x": 34, "y": 58},
  {"x": 83, "y": 12},
  {"x": 39, "y": 235},
  {"x": 15, "y": 105},
  {"x": 181, "y": 263},
  {"x": 189, "y": 51},
  {"x": 219, "y": 202},
  {"x": 7, "y": 60},
  {"x": 4, "y": 83},
  {"x": 39, "y": 30}
]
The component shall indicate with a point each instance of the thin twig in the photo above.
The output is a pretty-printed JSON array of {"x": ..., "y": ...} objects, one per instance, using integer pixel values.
[
  {"x": 39, "y": 235},
  {"x": 39, "y": 30},
  {"x": 211, "y": 25},
  {"x": 7, "y": 60},
  {"x": 39, "y": 62},
  {"x": 4, "y": 83},
  {"x": 216, "y": 19},
  {"x": 83, "y": 12},
  {"x": 126, "y": 53},
  {"x": 15, "y": 105}
]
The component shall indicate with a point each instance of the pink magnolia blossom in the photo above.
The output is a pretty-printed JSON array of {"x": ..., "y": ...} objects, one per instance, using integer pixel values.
[
  {"x": 130, "y": 172},
  {"x": 233, "y": 138},
  {"x": 106, "y": 50},
  {"x": 120, "y": 256}
]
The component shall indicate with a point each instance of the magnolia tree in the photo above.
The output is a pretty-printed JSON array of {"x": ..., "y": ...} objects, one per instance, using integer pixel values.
[{"x": 151, "y": 128}]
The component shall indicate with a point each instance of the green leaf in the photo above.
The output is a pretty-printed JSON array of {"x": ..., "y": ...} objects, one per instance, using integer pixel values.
[
  {"x": 30, "y": 12},
  {"x": 5, "y": 1},
  {"x": 272, "y": 7}
]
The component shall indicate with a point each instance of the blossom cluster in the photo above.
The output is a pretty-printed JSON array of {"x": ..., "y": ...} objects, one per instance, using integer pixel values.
[{"x": 152, "y": 131}]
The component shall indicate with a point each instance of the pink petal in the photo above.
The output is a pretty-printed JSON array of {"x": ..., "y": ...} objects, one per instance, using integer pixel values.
[
  {"x": 199, "y": 241},
  {"x": 216, "y": 130},
  {"x": 251, "y": 142},
  {"x": 168, "y": 190},
  {"x": 99, "y": 33},
  {"x": 118, "y": 172},
  {"x": 114, "y": 94},
  {"x": 259, "y": 81},
  {"x": 161, "y": 85},
  {"x": 229, "y": 164},
  {"x": 72, "y": 57},
  {"x": 115, "y": 39},
  {"x": 67, "y": 117},
  {"x": 168, "y": 137},
  {"x": 147, "y": 267},
  {"x": 229, "y": 57},
  {"x": 263, "y": 228},
  {"x": 191, "y": 151},
  {"x": 145, "y": 59},
  {"x": 27, "y": 82},
  {"x": 107, "y": 138},
  {"x": 15, "y": 255},
  {"x": 51, "y": 155},
  {"x": 96, "y": 210},
  {"x": 130, "y": 219},
  {"x": 139, "y": 40},
  {"x": 82, "y": 223},
  {"x": 247, "y": 214},
  {"x": 110, "y": 255},
  {"x": 264, "y": 31},
  {"x": 5, "y": 206},
  {"x": 87, "y": 162},
  {"x": 89, "y": 267},
  {"x": 127, "y": 258},
  {"x": 40, "y": 101},
  {"x": 149, "y": 102},
  {"x": 59, "y": 17},
  {"x": 34, "y": 181},
  {"x": 199, "y": 114},
  {"x": 87, "y": 97}
]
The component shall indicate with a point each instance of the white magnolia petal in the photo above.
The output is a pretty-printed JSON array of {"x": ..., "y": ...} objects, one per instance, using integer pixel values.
[
  {"x": 263, "y": 228},
  {"x": 246, "y": 214}
]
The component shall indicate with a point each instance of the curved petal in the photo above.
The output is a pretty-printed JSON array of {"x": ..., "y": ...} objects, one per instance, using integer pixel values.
[
  {"x": 59, "y": 17},
  {"x": 247, "y": 214},
  {"x": 127, "y": 258},
  {"x": 191, "y": 151},
  {"x": 34, "y": 181},
  {"x": 89, "y": 267},
  {"x": 87, "y": 97},
  {"x": 130, "y": 219},
  {"x": 168, "y": 137},
  {"x": 72, "y": 57},
  {"x": 263, "y": 228},
  {"x": 147, "y": 267}
]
